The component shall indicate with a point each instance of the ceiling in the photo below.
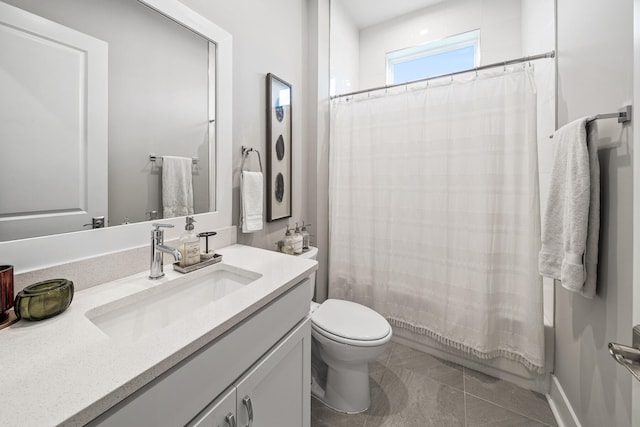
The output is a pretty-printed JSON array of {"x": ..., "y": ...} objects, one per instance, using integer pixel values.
[{"x": 366, "y": 13}]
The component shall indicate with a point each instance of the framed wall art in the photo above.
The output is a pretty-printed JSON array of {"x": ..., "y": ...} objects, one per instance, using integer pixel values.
[{"x": 279, "y": 125}]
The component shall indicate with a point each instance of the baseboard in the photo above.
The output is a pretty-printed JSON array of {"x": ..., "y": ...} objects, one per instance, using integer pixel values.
[{"x": 560, "y": 406}]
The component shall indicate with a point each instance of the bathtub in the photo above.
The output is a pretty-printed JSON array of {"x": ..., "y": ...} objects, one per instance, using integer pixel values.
[{"x": 504, "y": 369}]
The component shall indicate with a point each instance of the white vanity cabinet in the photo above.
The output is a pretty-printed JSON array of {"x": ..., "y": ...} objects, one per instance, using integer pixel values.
[
  {"x": 275, "y": 391},
  {"x": 262, "y": 365}
]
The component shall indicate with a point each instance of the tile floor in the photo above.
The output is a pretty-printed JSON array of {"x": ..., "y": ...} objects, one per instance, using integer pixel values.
[{"x": 413, "y": 389}]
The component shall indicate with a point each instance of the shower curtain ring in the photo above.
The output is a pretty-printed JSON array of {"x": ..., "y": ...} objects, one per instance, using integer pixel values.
[
  {"x": 476, "y": 68},
  {"x": 505, "y": 66}
]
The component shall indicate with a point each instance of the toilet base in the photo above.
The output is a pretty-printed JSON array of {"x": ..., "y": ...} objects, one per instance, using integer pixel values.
[{"x": 346, "y": 390}]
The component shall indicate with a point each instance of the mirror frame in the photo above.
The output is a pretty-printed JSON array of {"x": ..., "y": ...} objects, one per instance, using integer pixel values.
[{"x": 40, "y": 252}]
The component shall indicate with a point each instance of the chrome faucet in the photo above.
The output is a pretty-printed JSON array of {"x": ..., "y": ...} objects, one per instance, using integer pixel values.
[{"x": 158, "y": 248}]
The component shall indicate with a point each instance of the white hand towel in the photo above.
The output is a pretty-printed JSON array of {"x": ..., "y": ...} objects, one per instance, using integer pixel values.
[
  {"x": 593, "y": 229},
  {"x": 252, "y": 201},
  {"x": 566, "y": 222},
  {"x": 177, "y": 187}
]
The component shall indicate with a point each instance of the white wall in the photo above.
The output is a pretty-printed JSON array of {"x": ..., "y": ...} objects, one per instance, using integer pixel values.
[
  {"x": 500, "y": 36},
  {"x": 318, "y": 154},
  {"x": 538, "y": 36},
  {"x": 345, "y": 58},
  {"x": 595, "y": 70},
  {"x": 268, "y": 37},
  {"x": 538, "y": 31}
]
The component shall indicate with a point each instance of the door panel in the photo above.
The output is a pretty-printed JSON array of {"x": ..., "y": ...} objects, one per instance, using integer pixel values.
[
  {"x": 53, "y": 124},
  {"x": 277, "y": 388}
]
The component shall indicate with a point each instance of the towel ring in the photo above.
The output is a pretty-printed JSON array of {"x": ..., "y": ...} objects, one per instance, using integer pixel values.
[{"x": 245, "y": 153}]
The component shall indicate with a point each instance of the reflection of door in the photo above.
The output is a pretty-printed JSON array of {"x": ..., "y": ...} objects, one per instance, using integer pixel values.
[{"x": 53, "y": 126}]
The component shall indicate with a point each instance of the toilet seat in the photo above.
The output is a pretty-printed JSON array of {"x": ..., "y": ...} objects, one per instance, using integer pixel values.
[
  {"x": 350, "y": 323},
  {"x": 347, "y": 341}
]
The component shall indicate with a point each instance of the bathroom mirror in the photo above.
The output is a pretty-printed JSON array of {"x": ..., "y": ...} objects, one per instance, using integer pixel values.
[
  {"x": 53, "y": 249},
  {"x": 123, "y": 83}
]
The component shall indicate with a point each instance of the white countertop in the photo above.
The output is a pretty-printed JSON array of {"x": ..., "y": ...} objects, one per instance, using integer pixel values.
[{"x": 66, "y": 371}]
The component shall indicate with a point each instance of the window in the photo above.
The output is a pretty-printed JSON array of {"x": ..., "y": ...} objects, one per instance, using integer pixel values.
[{"x": 448, "y": 55}]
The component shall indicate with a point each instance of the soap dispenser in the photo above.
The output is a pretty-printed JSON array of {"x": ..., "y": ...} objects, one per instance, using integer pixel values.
[
  {"x": 297, "y": 241},
  {"x": 287, "y": 242},
  {"x": 189, "y": 245},
  {"x": 306, "y": 237}
]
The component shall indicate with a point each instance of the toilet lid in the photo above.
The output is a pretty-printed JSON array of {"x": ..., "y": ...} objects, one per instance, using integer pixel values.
[{"x": 350, "y": 320}]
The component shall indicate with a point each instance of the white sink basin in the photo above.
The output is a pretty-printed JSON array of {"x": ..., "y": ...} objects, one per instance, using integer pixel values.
[{"x": 145, "y": 312}]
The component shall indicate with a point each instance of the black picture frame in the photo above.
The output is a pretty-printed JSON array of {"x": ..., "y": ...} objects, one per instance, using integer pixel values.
[{"x": 279, "y": 145}]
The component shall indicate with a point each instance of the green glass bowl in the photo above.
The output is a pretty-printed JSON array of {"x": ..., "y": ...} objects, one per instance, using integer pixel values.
[{"x": 43, "y": 299}]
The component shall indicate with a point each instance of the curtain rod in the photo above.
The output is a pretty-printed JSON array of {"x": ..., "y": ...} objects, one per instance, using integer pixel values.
[{"x": 551, "y": 54}]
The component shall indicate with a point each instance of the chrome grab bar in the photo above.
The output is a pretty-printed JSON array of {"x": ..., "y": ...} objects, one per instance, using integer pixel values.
[{"x": 629, "y": 357}]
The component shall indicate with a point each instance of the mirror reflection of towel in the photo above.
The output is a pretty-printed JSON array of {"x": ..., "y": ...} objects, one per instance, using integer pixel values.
[
  {"x": 252, "y": 201},
  {"x": 177, "y": 187}
]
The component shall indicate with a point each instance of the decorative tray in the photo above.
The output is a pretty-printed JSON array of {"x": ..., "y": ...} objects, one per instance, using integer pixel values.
[{"x": 215, "y": 259}]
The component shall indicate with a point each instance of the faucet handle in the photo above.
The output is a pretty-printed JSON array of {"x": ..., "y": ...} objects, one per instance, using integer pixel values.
[{"x": 158, "y": 225}]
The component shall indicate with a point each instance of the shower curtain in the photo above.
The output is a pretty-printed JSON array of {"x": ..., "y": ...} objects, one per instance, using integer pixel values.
[{"x": 434, "y": 211}]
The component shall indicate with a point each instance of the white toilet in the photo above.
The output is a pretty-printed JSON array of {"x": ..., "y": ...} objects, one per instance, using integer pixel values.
[{"x": 346, "y": 337}]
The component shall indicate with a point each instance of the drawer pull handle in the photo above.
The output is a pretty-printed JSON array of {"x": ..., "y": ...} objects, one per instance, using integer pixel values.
[
  {"x": 231, "y": 420},
  {"x": 247, "y": 404}
]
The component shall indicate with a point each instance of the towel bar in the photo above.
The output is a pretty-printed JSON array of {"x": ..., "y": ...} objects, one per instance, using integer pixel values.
[
  {"x": 153, "y": 158},
  {"x": 623, "y": 116}
]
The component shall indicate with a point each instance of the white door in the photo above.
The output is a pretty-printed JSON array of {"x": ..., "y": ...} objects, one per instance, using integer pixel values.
[{"x": 53, "y": 126}]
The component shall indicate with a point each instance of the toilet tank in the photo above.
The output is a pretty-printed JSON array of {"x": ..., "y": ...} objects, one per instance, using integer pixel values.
[{"x": 312, "y": 253}]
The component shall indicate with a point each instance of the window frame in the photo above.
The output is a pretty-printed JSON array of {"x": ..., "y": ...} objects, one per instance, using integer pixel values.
[{"x": 436, "y": 47}]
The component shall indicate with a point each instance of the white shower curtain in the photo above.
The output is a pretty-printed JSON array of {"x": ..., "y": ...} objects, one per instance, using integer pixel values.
[{"x": 434, "y": 211}]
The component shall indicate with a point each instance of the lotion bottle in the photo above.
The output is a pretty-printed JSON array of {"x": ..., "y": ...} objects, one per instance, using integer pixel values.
[
  {"x": 297, "y": 241},
  {"x": 306, "y": 237},
  {"x": 287, "y": 242},
  {"x": 189, "y": 245}
]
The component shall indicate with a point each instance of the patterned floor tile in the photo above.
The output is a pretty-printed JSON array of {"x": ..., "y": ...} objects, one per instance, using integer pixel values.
[
  {"x": 413, "y": 389},
  {"x": 481, "y": 413},
  {"x": 509, "y": 396}
]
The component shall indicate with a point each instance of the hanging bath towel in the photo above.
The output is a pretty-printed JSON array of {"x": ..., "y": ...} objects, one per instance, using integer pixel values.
[
  {"x": 251, "y": 201},
  {"x": 177, "y": 187},
  {"x": 571, "y": 222}
]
